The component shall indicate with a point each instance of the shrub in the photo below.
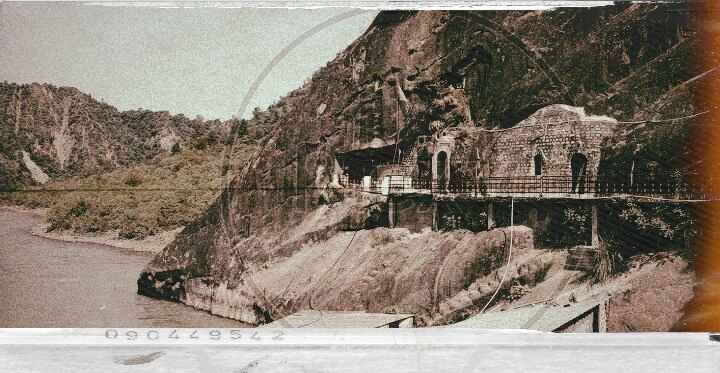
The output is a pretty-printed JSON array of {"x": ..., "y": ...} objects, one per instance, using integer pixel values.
[
  {"x": 65, "y": 216},
  {"x": 133, "y": 181},
  {"x": 57, "y": 221},
  {"x": 384, "y": 238},
  {"x": 94, "y": 223},
  {"x": 202, "y": 143},
  {"x": 133, "y": 230},
  {"x": 80, "y": 208},
  {"x": 640, "y": 229},
  {"x": 570, "y": 226},
  {"x": 606, "y": 263}
]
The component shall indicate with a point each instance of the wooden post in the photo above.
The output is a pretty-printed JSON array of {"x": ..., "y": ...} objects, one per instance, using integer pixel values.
[
  {"x": 435, "y": 225},
  {"x": 490, "y": 216},
  {"x": 595, "y": 240}
]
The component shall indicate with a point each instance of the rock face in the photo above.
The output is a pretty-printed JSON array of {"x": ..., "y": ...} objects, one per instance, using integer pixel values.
[
  {"x": 64, "y": 132},
  {"x": 412, "y": 74},
  {"x": 377, "y": 270}
]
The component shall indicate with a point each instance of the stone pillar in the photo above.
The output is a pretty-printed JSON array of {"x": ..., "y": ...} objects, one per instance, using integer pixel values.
[
  {"x": 391, "y": 212},
  {"x": 435, "y": 225},
  {"x": 433, "y": 167},
  {"x": 595, "y": 240},
  {"x": 490, "y": 215}
]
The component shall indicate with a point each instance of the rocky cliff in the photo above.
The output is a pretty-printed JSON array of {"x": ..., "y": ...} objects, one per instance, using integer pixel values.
[
  {"x": 412, "y": 74},
  {"x": 50, "y": 132}
]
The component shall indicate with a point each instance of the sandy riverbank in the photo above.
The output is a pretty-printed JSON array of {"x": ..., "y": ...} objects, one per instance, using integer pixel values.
[{"x": 153, "y": 244}]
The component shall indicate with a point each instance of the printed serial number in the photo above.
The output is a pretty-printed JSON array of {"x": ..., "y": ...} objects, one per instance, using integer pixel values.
[{"x": 212, "y": 334}]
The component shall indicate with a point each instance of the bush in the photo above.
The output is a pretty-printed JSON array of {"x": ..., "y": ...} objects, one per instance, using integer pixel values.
[
  {"x": 645, "y": 228},
  {"x": 133, "y": 230},
  {"x": 606, "y": 263},
  {"x": 80, "y": 208},
  {"x": 570, "y": 226},
  {"x": 63, "y": 216},
  {"x": 384, "y": 238},
  {"x": 94, "y": 223},
  {"x": 133, "y": 181},
  {"x": 57, "y": 221}
]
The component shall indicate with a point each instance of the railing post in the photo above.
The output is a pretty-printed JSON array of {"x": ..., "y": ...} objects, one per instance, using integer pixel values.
[
  {"x": 595, "y": 239},
  {"x": 391, "y": 212},
  {"x": 490, "y": 215}
]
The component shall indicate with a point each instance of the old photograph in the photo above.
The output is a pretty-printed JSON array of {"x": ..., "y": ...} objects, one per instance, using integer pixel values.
[{"x": 538, "y": 168}]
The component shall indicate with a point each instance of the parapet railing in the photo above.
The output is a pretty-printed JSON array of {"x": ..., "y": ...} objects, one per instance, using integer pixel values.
[{"x": 550, "y": 187}]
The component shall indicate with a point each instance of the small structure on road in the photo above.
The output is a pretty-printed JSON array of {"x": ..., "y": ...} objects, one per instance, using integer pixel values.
[
  {"x": 587, "y": 317},
  {"x": 343, "y": 319}
]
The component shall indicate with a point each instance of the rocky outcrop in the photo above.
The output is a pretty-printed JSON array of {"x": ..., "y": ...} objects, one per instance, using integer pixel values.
[
  {"x": 37, "y": 174},
  {"x": 377, "y": 270},
  {"x": 412, "y": 74}
]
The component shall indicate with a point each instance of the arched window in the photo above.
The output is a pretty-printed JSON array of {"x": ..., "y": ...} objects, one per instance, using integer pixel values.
[
  {"x": 578, "y": 169},
  {"x": 538, "y": 161},
  {"x": 443, "y": 168}
]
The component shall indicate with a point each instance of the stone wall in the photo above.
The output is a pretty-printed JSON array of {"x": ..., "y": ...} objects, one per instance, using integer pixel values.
[
  {"x": 414, "y": 214},
  {"x": 554, "y": 133}
]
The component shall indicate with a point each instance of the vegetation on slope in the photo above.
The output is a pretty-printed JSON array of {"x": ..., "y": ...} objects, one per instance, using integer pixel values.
[
  {"x": 136, "y": 172},
  {"x": 68, "y": 133},
  {"x": 165, "y": 193}
]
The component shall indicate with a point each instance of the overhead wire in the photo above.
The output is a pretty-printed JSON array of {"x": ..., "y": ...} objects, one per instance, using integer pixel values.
[{"x": 507, "y": 265}]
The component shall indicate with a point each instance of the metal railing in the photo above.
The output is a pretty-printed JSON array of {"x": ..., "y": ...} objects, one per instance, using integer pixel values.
[{"x": 551, "y": 186}]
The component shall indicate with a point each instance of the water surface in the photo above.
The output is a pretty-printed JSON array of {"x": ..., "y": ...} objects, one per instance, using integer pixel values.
[{"x": 48, "y": 283}]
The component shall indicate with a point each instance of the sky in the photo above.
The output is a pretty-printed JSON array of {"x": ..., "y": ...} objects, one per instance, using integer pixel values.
[{"x": 196, "y": 61}]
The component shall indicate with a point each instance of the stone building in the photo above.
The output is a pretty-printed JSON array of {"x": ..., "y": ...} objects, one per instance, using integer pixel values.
[
  {"x": 557, "y": 140},
  {"x": 464, "y": 176}
]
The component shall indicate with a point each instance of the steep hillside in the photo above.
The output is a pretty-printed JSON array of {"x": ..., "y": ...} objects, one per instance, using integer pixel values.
[
  {"x": 133, "y": 202},
  {"x": 412, "y": 74},
  {"x": 48, "y": 132}
]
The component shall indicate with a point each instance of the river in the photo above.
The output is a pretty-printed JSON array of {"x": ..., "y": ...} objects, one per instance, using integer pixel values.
[{"x": 48, "y": 283}]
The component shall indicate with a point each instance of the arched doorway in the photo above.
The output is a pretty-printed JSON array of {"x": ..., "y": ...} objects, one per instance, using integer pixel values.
[
  {"x": 538, "y": 162},
  {"x": 578, "y": 170},
  {"x": 443, "y": 169}
]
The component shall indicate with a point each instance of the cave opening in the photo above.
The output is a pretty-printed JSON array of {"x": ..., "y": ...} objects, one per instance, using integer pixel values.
[{"x": 363, "y": 162}]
